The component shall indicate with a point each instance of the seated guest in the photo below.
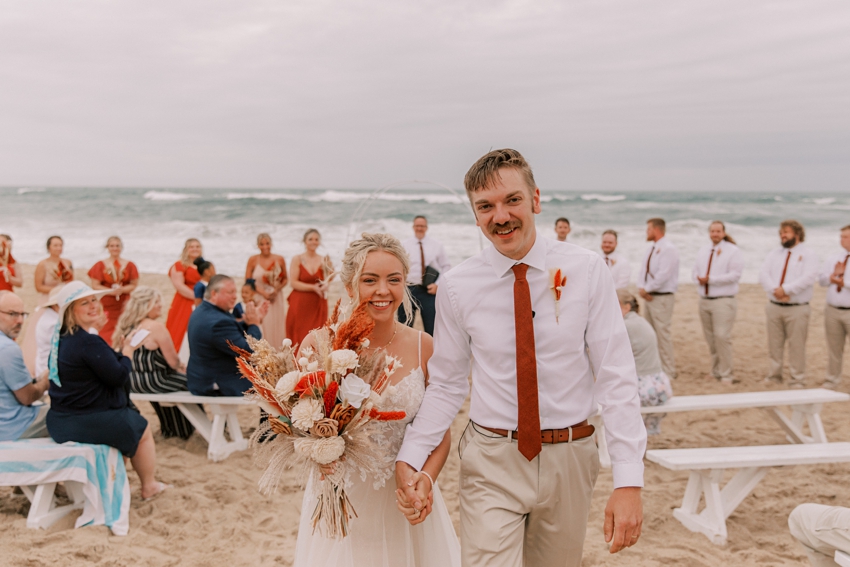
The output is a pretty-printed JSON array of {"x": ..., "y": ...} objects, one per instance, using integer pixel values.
[
  {"x": 211, "y": 327},
  {"x": 653, "y": 384},
  {"x": 18, "y": 418},
  {"x": 89, "y": 383},
  {"x": 44, "y": 331},
  {"x": 822, "y": 530},
  {"x": 206, "y": 270},
  {"x": 156, "y": 367}
]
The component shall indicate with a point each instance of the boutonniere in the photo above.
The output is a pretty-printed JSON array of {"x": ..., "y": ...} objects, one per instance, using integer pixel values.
[
  {"x": 800, "y": 259},
  {"x": 719, "y": 250},
  {"x": 613, "y": 261},
  {"x": 556, "y": 282}
]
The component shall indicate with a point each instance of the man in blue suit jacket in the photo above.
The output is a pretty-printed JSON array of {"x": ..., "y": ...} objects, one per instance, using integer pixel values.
[{"x": 211, "y": 361}]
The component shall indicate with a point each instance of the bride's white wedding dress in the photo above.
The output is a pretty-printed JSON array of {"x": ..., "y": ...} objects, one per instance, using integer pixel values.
[{"x": 380, "y": 535}]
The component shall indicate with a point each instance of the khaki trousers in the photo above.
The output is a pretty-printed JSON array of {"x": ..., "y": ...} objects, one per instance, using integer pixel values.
[
  {"x": 659, "y": 313},
  {"x": 837, "y": 323},
  {"x": 791, "y": 324},
  {"x": 821, "y": 530},
  {"x": 718, "y": 318},
  {"x": 515, "y": 512}
]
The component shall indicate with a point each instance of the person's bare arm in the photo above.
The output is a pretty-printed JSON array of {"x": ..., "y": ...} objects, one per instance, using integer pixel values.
[
  {"x": 40, "y": 271},
  {"x": 281, "y": 283},
  {"x": 249, "y": 268},
  {"x": 178, "y": 280},
  {"x": 162, "y": 339},
  {"x": 31, "y": 393},
  {"x": 17, "y": 280}
]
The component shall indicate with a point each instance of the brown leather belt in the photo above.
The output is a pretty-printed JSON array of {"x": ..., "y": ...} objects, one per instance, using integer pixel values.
[{"x": 552, "y": 436}]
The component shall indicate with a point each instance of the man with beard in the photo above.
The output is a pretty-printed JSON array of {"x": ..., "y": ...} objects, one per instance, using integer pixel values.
[
  {"x": 621, "y": 271},
  {"x": 658, "y": 280},
  {"x": 788, "y": 276}
]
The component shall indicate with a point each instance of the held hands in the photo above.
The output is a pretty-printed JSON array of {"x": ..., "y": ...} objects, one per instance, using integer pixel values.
[
  {"x": 702, "y": 281},
  {"x": 432, "y": 289},
  {"x": 645, "y": 295},
  {"x": 780, "y": 294},
  {"x": 623, "y": 518},
  {"x": 413, "y": 494}
]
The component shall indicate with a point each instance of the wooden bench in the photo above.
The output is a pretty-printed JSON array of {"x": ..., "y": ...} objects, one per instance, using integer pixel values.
[
  {"x": 707, "y": 465},
  {"x": 93, "y": 475},
  {"x": 224, "y": 410},
  {"x": 806, "y": 406}
]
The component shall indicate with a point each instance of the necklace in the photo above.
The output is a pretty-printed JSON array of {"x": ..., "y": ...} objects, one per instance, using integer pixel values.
[{"x": 395, "y": 331}]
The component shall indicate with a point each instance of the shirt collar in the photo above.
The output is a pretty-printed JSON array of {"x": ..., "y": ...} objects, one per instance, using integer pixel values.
[{"x": 536, "y": 258}]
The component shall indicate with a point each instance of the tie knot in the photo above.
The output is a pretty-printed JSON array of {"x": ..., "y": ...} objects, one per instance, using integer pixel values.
[{"x": 519, "y": 271}]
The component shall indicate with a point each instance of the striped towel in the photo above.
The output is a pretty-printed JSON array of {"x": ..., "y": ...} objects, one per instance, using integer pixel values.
[{"x": 98, "y": 468}]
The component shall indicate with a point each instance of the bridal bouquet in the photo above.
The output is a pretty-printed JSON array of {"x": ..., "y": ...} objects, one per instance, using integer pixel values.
[{"x": 322, "y": 405}]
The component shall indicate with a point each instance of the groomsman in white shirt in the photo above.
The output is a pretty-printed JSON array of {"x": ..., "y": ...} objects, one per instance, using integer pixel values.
[
  {"x": 542, "y": 361},
  {"x": 423, "y": 251},
  {"x": 621, "y": 271},
  {"x": 788, "y": 276},
  {"x": 716, "y": 272},
  {"x": 659, "y": 280},
  {"x": 836, "y": 316}
]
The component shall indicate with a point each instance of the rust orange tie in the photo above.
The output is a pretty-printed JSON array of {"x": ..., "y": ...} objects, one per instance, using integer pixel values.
[{"x": 528, "y": 422}]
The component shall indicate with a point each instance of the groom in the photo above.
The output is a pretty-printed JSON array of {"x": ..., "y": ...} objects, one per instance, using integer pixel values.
[{"x": 539, "y": 369}]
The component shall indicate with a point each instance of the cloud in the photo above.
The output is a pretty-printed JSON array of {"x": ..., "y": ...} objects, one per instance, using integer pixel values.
[{"x": 599, "y": 95}]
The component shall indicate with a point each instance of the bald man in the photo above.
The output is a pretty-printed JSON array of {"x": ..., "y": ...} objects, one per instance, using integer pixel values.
[{"x": 18, "y": 391}]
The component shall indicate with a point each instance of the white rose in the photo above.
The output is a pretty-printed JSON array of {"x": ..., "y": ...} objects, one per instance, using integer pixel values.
[
  {"x": 287, "y": 343},
  {"x": 353, "y": 390},
  {"x": 327, "y": 450},
  {"x": 305, "y": 413},
  {"x": 286, "y": 385},
  {"x": 304, "y": 447},
  {"x": 342, "y": 360}
]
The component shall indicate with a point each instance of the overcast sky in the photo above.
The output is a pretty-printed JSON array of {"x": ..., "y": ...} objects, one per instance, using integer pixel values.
[{"x": 281, "y": 94}]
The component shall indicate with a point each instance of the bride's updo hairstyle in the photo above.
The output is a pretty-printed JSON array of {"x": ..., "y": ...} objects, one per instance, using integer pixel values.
[{"x": 355, "y": 257}]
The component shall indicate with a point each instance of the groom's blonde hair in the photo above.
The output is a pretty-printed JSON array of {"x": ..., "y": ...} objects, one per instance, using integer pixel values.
[
  {"x": 355, "y": 258},
  {"x": 485, "y": 171}
]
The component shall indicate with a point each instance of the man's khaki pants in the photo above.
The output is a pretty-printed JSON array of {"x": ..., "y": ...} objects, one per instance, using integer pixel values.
[
  {"x": 837, "y": 323},
  {"x": 821, "y": 530},
  {"x": 788, "y": 323},
  {"x": 718, "y": 317},
  {"x": 515, "y": 512},
  {"x": 659, "y": 313}
]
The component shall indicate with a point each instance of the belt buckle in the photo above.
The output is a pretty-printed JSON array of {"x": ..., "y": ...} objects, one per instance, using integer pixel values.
[{"x": 570, "y": 438}]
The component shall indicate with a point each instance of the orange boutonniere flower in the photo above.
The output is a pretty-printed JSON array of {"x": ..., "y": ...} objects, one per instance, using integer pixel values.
[
  {"x": 718, "y": 252},
  {"x": 556, "y": 282}
]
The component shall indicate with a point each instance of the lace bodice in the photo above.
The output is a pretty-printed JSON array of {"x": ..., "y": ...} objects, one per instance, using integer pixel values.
[{"x": 406, "y": 396}]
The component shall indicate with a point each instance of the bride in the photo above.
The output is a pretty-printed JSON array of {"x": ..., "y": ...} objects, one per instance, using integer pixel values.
[{"x": 385, "y": 533}]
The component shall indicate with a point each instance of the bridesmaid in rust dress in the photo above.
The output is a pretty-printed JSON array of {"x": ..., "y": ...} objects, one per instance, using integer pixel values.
[
  {"x": 309, "y": 276},
  {"x": 119, "y": 275},
  {"x": 269, "y": 274},
  {"x": 184, "y": 275}
]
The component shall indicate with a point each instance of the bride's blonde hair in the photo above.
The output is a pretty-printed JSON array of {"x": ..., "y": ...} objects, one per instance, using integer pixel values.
[
  {"x": 140, "y": 304},
  {"x": 355, "y": 257}
]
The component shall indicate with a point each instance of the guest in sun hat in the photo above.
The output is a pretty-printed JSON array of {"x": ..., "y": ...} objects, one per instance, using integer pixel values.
[{"x": 89, "y": 385}]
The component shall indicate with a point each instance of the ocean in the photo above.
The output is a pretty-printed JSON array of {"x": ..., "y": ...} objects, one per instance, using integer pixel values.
[{"x": 154, "y": 223}]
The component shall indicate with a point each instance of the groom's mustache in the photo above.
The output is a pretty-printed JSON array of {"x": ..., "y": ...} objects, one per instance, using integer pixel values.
[{"x": 503, "y": 227}]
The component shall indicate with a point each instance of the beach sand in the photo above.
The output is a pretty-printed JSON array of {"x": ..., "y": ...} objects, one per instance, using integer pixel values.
[{"x": 214, "y": 515}]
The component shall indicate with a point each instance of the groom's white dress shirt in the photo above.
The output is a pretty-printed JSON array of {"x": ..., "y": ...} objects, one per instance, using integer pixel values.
[
  {"x": 475, "y": 329},
  {"x": 662, "y": 258}
]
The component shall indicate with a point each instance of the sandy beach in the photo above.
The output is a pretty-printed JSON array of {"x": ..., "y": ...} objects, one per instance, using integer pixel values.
[{"x": 214, "y": 515}]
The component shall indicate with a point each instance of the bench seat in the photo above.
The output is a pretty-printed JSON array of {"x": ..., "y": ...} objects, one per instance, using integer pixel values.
[
  {"x": 707, "y": 466},
  {"x": 225, "y": 410}
]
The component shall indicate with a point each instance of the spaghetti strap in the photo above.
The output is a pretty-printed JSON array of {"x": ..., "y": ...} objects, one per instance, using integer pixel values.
[{"x": 420, "y": 349}]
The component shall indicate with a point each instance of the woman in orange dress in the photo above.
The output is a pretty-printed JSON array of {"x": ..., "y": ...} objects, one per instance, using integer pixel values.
[
  {"x": 184, "y": 275},
  {"x": 269, "y": 274},
  {"x": 10, "y": 278},
  {"x": 119, "y": 275},
  {"x": 309, "y": 276},
  {"x": 49, "y": 273}
]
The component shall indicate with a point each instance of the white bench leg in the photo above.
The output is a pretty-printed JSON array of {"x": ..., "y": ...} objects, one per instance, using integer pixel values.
[
  {"x": 719, "y": 504},
  {"x": 198, "y": 418},
  {"x": 601, "y": 442},
  {"x": 43, "y": 510},
  {"x": 220, "y": 448},
  {"x": 794, "y": 426}
]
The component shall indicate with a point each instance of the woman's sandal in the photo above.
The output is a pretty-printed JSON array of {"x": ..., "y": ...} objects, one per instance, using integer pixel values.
[{"x": 162, "y": 488}]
